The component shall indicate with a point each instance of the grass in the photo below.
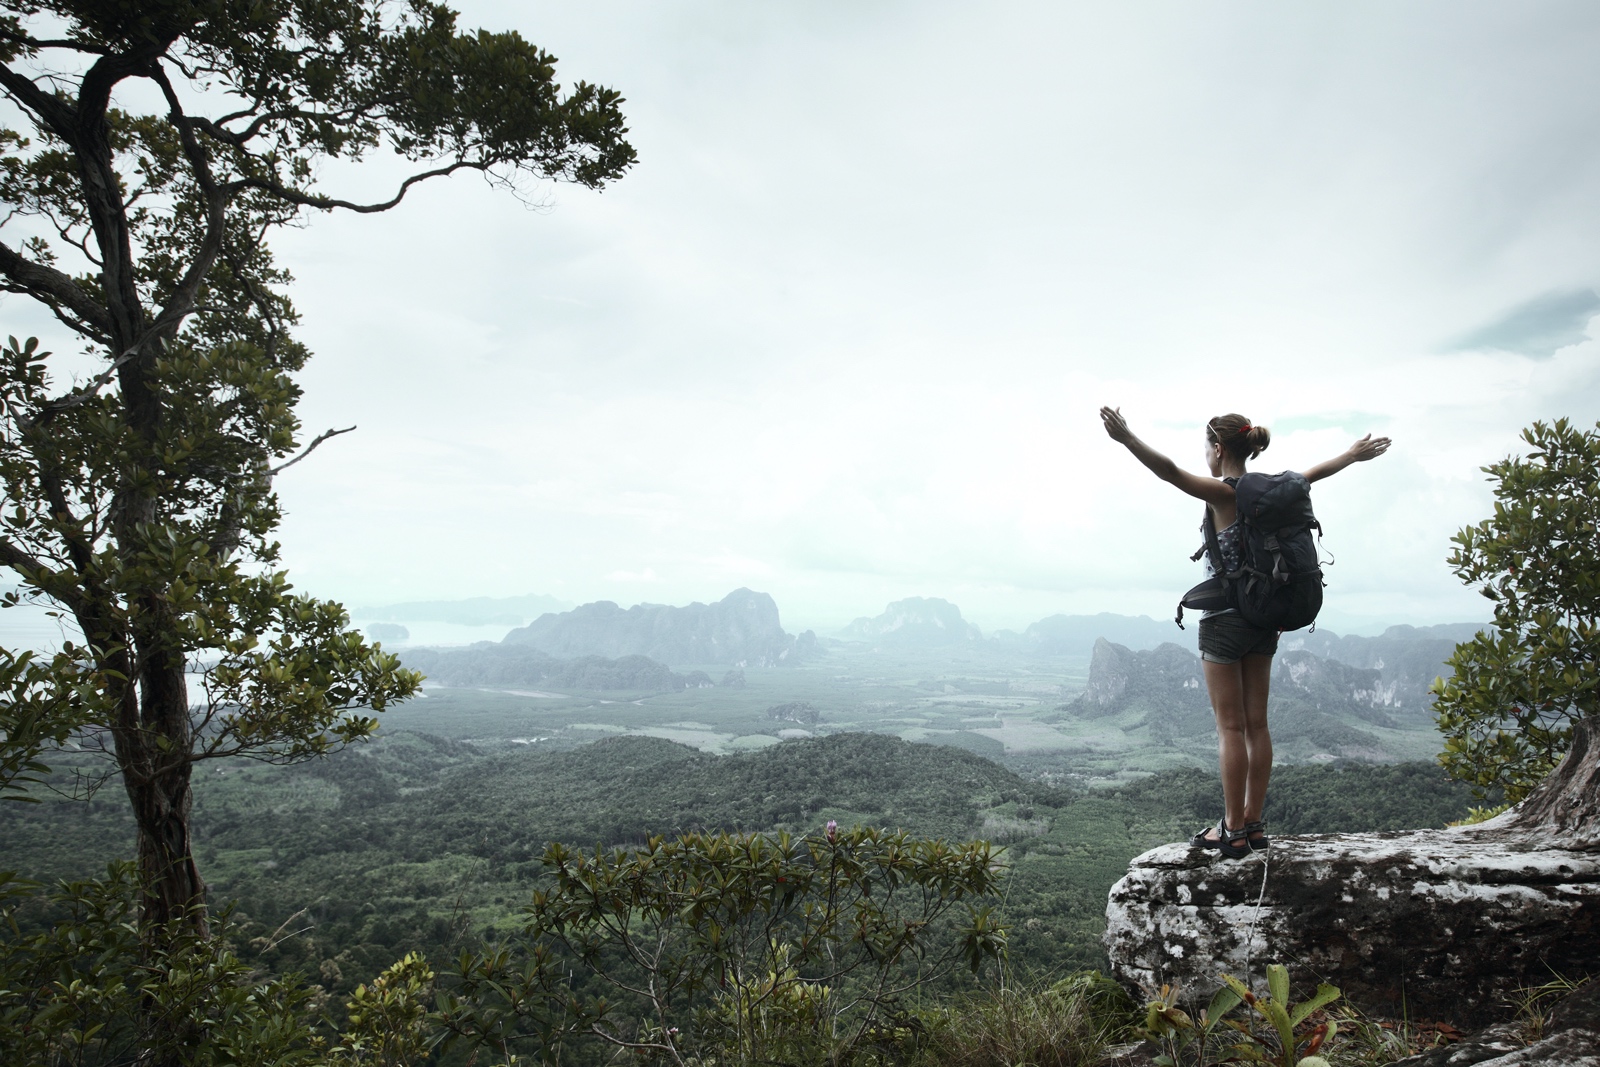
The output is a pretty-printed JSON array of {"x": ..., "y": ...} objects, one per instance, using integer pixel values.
[
  {"x": 1063, "y": 1024},
  {"x": 1533, "y": 1004}
]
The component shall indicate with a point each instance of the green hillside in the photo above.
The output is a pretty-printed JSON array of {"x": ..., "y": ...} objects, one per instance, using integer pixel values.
[{"x": 417, "y": 842}]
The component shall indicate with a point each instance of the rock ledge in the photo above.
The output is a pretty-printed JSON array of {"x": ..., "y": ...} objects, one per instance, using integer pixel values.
[{"x": 1430, "y": 923}]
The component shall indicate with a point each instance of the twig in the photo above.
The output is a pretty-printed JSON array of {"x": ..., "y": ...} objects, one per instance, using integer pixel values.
[
  {"x": 1250, "y": 935},
  {"x": 83, "y": 395},
  {"x": 312, "y": 447}
]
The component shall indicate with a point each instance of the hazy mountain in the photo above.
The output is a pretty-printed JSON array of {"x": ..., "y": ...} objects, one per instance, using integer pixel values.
[
  {"x": 386, "y": 631},
  {"x": 1164, "y": 683},
  {"x": 1316, "y": 701},
  {"x": 740, "y": 630},
  {"x": 916, "y": 622},
  {"x": 1075, "y": 635},
  {"x": 474, "y": 611},
  {"x": 487, "y": 665},
  {"x": 1406, "y": 658}
]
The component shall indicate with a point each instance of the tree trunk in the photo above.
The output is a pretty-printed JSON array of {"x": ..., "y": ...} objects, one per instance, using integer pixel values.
[
  {"x": 155, "y": 763},
  {"x": 173, "y": 887},
  {"x": 1564, "y": 812}
]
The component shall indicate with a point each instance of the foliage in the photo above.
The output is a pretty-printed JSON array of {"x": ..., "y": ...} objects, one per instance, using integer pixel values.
[
  {"x": 1285, "y": 1041},
  {"x": 390, "y": 1023},
  {"x": 412, "y": 843},
  {"x": 41, "y": 706},
  {"x": 1187, "y": 1040},
  {"x": 1323, "y": 798},
  {"x": 1364, "y": 1041},
  {"x": 83, "y": 991},
  {"x": 1477, "y": 815},
  {"x": 1061, "y": 1024},
  {"x": 1507, "y": 712},
  {"x": 747, "y": 946},
  {"x": 1287, "y": 1034}
]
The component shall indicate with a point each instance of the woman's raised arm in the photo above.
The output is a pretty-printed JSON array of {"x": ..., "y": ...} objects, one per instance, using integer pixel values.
[
  {"x": 1368, "y": 447},
  {"x": 1211, "y": 490}
]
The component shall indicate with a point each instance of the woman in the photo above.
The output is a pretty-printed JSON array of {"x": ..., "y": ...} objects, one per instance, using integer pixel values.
[{"x": 1236, "y": 656}]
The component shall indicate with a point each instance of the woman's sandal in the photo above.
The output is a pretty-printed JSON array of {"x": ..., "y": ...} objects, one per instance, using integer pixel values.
[
  {"x": 1231, "y": 843},
  {"x": 1258, "y": 844}
]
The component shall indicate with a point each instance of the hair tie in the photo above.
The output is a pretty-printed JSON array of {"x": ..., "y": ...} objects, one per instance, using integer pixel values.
[{"x": 1246, "y": 428}]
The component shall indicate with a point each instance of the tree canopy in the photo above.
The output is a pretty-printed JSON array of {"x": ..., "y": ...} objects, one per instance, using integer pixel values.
[
  {"x": 1507, "y": 713},
  {"x": 162, "y": 143}
]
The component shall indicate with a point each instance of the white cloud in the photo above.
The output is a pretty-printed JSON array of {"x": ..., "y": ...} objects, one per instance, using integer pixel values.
[
  {"x": 647, "y": 575},
  {"x": 843, "y": 332}
]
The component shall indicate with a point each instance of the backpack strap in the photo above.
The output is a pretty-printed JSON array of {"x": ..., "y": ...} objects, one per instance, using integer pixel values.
[{"x": 1212, "y": 545}]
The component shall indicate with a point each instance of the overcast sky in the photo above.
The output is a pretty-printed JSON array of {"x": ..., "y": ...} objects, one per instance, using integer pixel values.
[{"x": 842, "y": 334}]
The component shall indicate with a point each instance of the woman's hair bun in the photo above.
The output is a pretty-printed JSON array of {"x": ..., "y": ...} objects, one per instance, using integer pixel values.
[
  {"x": 1238, "y": 436},
  {"x": 1259, "y": 437}
]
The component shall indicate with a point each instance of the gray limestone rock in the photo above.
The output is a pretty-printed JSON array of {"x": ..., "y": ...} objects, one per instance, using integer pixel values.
[
  {"x": 1438, "y": 923},
  {"x": 741, "y": 629},
  {"x": 915, "y": 622}
]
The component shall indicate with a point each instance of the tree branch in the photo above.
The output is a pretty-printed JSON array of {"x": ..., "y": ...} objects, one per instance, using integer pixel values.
[
  {"x": 81, "y": 396},
  {"x": 295, "y": 196},
  {"x": 31, "y": 568},
  {"x": 35, "y": 43},
  {"x": 312, "y": 447},
  {"x": 187, "y": 292},
  {"x": 56, "y": 289},
  {"x": 54, "y": 112}
]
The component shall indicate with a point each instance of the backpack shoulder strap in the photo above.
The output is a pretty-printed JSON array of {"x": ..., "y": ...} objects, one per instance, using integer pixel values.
[{"x": 1213, "y": 546}]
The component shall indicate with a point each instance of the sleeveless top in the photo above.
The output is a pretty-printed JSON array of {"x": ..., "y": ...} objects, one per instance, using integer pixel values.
[
  {"x": 1228, "y": 542},
  {"x": 1232, "y": 557}
]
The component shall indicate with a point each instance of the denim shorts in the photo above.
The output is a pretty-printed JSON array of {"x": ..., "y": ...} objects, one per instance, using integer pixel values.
[{"x": 1227, "y": 638}]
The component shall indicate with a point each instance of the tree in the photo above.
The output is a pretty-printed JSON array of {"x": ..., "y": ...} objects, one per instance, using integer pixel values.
[
  {"x": 729, "y": 948},
  {"x": 1508, "y": 711},
  {"x": 140, "y": 500}
]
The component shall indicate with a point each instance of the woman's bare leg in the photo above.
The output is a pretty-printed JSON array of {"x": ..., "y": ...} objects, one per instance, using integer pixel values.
[
  {"x": 1256, "y": 677},
  {"x": 1225, "y": 684}
]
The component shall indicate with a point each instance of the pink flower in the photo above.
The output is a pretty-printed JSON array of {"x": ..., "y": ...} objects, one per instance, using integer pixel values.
[{"x": 833, "y": 830}]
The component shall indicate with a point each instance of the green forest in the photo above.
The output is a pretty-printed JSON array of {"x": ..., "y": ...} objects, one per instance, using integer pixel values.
[{"x": 412, "y": 842}]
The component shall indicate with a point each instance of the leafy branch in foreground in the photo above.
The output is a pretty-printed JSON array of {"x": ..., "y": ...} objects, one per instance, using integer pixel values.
[{"x": 1212, "y": 1038}]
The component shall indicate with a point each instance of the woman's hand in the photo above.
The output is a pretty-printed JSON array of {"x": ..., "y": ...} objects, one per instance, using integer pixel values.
[
  {"x": 1368, "y": 447},
  {"x": 1116, "y": 426},
  {"x": 1212, "y": 491}
]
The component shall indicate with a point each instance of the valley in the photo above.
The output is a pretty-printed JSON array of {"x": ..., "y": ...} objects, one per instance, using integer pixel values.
[
  {"x": 1027, "y": 711},
  {"x": 1073, "y": 752}
]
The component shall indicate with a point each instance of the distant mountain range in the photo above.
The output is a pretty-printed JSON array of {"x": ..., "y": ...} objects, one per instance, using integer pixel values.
[
  {"x": 1383, "y": 677},
  {"x": 1075, "y": 635},
  {"x": 740, "y": 630},
  {"x": 1321, "y": 702},
  {"x": 916, "y": 622},
  {"x": 1406, "y": 658}
]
